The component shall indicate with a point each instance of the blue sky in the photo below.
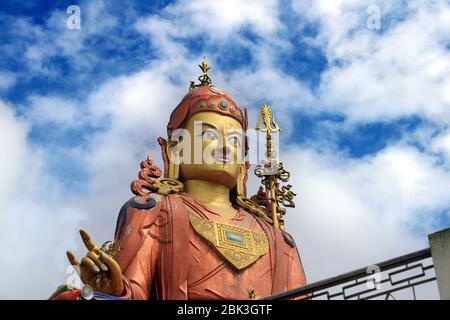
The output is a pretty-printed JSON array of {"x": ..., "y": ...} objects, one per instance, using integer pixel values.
[
  {"x": 365, "y": 113},
  {"x": 123, "y": 50}
]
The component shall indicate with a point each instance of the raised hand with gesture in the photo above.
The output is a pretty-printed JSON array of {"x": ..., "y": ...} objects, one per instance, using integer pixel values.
[{"x": 98, "y": 269}]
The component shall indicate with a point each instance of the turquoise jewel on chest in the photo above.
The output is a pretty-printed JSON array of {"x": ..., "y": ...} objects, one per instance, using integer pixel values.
[{"x": 234, "y": 237}]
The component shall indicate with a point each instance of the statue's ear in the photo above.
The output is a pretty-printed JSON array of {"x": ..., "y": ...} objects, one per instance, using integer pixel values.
[
  {"x": 163, "y": 143},
  {"x": 173, "y": 157},
  {"x": 174, "y": 150},
  {"x": 170, "y": 156}
]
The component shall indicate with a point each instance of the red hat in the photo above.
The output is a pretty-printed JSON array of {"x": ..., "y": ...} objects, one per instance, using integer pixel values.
[{"x": 205, "y": 97}]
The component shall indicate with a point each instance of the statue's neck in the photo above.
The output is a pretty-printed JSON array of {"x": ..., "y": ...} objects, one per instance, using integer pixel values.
[{"x": 213, "y": 195}]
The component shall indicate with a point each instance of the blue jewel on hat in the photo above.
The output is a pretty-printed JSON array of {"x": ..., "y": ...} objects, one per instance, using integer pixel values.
[{"x": 223, "y": 104}]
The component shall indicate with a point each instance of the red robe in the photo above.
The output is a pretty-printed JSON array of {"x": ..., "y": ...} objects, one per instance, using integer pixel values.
[{"x": 162, "y": 256}]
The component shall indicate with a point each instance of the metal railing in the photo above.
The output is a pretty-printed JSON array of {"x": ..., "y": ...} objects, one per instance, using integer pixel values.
[{"x": 378, "y": 281}]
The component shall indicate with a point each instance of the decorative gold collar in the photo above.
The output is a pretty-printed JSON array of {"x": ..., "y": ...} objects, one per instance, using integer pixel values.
[{"x": 240, "y": 247}]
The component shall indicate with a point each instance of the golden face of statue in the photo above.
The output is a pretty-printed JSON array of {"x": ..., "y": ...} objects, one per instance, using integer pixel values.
[{"x": 214, "y": 151}]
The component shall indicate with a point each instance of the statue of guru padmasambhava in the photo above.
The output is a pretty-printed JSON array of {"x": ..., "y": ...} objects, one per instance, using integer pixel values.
[{"x": 192, "y": 233}]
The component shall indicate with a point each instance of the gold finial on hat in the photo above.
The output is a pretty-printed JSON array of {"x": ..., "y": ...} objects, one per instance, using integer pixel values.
[
  {"x": 204, "y": 78},
  {"x": 204, "y": 66}
]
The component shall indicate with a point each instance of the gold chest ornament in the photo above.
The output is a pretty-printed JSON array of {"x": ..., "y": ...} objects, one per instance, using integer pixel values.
[{"x": 239, "y": 246}]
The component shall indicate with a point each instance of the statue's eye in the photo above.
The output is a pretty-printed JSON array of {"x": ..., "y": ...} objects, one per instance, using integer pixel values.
[
  {"x": 209, "y": 135},
  {"x": 234, "y": 141}
]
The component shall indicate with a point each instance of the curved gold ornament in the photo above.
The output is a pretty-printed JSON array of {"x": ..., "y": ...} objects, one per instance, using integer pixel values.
[
  {"x": 150, "y": 181},
  {"x": 253, "y": 207},
  {"x": 239, "y": 246},
  {"x": 164, "y": 186}
]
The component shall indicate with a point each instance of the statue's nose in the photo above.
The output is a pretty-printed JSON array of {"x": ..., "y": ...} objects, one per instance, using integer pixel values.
[{"x": 223, "y": 151}]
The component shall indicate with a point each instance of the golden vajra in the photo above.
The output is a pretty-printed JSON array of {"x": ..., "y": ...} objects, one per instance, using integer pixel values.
[{"x": 271, "y": 171}]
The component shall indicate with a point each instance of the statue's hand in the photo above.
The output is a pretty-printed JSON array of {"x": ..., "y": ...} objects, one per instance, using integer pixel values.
[
  {"x": 261, "y": 198},
  {"x": 97, "y": 269}
]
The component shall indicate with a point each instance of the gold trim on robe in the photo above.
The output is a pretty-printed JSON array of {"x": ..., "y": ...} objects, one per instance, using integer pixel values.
[{"x": 239, "y": 246}]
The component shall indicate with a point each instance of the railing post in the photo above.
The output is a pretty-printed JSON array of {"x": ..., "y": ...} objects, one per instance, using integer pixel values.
[{"x": 440, "y": 251}]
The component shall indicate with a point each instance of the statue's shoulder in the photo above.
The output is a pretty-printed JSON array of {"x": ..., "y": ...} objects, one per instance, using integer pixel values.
[
  {"x": 288, "y": 238},
  {"x": 138, "y": 209},
  {"x": 143, "y": 210},
  {"x": 152, "y": 192}
]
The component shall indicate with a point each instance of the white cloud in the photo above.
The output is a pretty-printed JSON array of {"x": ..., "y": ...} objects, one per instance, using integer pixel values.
[
  {"x": 41, "y": 43},
  {"x": 350, "y": 212},
  {"x": 218, "y": 19},
  {"x": 34, "y": 217},
  {"x": 355, "y": 212},
  {"x": 217, "y": 24},
  {"x": 399, "y": 71},
  {"x": 57, "y": 110},
  {"x": 222, "y": 22},
  {"x": 441, "y": 144},
  {"x": 12, "y": 139}
]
